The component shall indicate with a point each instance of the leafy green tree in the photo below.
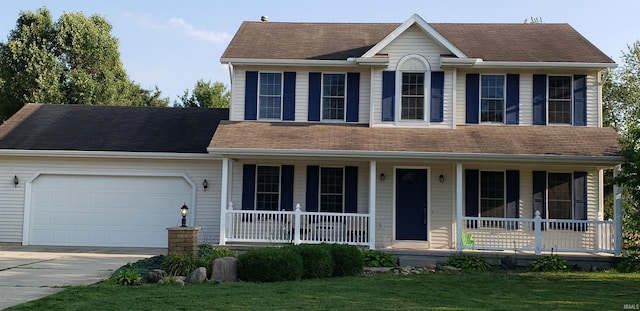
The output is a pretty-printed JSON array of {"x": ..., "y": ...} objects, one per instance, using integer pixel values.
[
  {"x": 205, "y": 95},
  {"x": 72, "y": 61}
]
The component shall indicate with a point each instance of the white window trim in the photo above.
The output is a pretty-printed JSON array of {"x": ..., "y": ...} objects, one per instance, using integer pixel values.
[
  {"x": 504, "y": 189},
  {"x": 346, "y": 90},
  {"x": 504, "y": 99},
  {"x": 426, "y": 120},
  {"x": 255, "y": 198},
  {"x": 546, "y": 207},
  {"x": 320, "y": 187},
  {"x": 572, "y": 99},
  {"x": 281, "y": 95}
]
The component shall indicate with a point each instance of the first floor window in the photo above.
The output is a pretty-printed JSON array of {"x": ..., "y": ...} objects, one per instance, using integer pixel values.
[
  {"x": 333, "y": 96},
  {"x": 412, "y": 96},
  {"x": 560, "y": 91},
  {"x": 559, "y": 196},
  {"x": 331, "y": 189},
  {"x": 492, "y": 98},
  {"x": 268, "y": 188},
  {"x": 270, "y": 99},
  {"x": 492, "y": 194}
]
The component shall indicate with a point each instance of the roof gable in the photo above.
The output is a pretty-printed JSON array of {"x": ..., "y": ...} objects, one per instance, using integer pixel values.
[{"x": 111, "y": 128}]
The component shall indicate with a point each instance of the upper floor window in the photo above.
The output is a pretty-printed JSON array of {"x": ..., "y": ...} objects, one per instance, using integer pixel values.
[
  {"x": 412, "y": 96},
  {"x": 268, "y": 188},
  {"x": 333, "y": 96},
  {"x": 492, "y": 89},
  {"x": 331, "y": 189},
  {"x": 560, "y": 91},
  {"x": 270, "y": 95}
]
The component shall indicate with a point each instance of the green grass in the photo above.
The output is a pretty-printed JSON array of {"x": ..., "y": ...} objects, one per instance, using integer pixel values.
[{"x": 435, "y": 291}]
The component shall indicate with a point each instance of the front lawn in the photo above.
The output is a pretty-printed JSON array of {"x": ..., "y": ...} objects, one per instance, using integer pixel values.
[{"x": 437, "y": 291}]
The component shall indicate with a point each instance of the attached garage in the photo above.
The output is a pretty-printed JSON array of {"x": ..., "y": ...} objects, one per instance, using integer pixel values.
[{"x": 88, "y": 210}]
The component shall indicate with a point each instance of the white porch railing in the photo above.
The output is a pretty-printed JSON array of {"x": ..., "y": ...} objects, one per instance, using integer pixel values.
[
  {"x": 295, "y": 227},
  {"x": 539, "y": 234}
]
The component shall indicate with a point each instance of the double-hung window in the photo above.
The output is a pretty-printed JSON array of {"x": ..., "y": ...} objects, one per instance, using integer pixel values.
[
  {"x": 492, "y": 91},
  {"x": 492, "y": 194},
  {"x": 270, "y": 95},
  {"x": 333, "y": 96},
  {"x": 268, "y": 188},
  {"x": 559, "y": 195},
  {"x": 332, "y": 189},
  {"x": 560, "y": 92},
  {"x": 412, "y": 96}
]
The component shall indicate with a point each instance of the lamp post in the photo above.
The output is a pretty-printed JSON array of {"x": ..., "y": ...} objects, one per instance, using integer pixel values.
[{"x": 183, "y": 210}]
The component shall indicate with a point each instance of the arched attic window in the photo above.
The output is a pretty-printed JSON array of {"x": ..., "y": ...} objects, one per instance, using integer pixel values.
[{"x": 413, "y": 80}]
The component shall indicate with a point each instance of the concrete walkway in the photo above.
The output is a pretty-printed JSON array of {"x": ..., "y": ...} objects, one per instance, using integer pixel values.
[{"x": 32, "y": 272}]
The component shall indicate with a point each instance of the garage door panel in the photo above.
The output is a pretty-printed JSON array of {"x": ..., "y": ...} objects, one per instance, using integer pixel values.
[{"x": 105, "y": 210}]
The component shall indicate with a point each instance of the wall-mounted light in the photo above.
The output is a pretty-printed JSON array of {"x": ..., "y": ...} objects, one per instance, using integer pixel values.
[
  {"x": 441, "y": 178},
  {"x": 205, "y": 185},
  {"x": 184, "y": 210},
  {"x": 382, "y": 177},
  {"x": 15, "y": 181}
]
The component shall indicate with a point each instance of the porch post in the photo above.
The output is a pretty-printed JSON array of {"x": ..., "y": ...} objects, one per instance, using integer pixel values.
[
  {"x": 373, "y": 175},
  {"x": 223, "y": 200},
  {"x": 459, "y": 206},
  {"x": 617, "y": 214}
]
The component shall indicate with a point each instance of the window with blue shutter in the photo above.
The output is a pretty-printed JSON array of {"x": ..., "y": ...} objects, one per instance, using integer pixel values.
[
  {"x": 248, "y": 186},
  {"x": 580, "y": 199},
  {"x": 315, "y": 89},
  {"x": 351, "y": 189},
  {"x": 289, "y": 98},
  {"x": 286, "y": 188},
  {"x": 513, "y": 99},
  {"x": 312, "y": 197},
  {"x": 388, "y": 95},
  {"x": 472, "y": 98},
  {"x": 251, "y": 95},
  {"x": 437, "y": 96},
  {"x": 353, "y": 96},
  {"x": 580, "y": 100},
  {"x": 539, "y": 99}
]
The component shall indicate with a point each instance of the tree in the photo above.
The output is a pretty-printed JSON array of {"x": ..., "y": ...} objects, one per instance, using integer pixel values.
[
  {"x": 205, "y": 95},
  {"x": 72, "y": 61}
]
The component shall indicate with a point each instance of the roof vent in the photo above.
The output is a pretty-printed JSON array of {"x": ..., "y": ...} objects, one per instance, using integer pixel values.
[{"x": 264, "y": 18}]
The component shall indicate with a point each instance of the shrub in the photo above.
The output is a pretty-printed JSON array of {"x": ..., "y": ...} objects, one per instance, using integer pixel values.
[
  {"x": 468, "y": 262},
  {"x": 143, "y": 266},
  {"x": 551, "y": 263},
  {"x": 127, "y": 277},
  {"x": 316, "y": 261},
  {"x": 374, "y": 258},
  {"x": 179, "y": 264},
  {"x": 270, "y": 264},
  {"x": 347, "y": 259},
  {"x": 630, "y": 263}
]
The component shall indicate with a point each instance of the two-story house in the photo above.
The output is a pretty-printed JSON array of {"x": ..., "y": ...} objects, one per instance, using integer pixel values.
[{"x": 434, "y": 136}]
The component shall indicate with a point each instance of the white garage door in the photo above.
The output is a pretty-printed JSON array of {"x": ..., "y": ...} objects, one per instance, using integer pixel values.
[{"x": 128, "y": 211}]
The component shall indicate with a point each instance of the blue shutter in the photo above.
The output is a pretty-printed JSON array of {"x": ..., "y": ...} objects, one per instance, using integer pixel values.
[
  {"x": 580, "y": 100},
  {"x": 351, "y": 189},
  {"x": 353, "y": 96},
  {"x": 513, "y": 99},
  {"x": 513, "y": 194},
  {"x": 289, "y": 98},
  {"x": 539, "y": 99},
  {"x": 251, "y": 95},
  {"x": 437, "y": 96},
  {"x": 471, "y": 189},
  {"x": 286, "y": 187},
  {"x": 580, "y": 195},
  {"x": 315, "y": 85},
  {"x": 248, "y": 186},
  {"x": 388, "y": 95},
  {"x": 313, "y": 180},
  {"x": 540, "y": 194},
  {"x": 473, "y": 98}
]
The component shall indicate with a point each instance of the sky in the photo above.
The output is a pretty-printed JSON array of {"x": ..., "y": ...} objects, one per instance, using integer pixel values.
[{"x": 173, "y": 44}]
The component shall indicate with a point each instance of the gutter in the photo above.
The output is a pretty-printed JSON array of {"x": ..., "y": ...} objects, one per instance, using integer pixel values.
[
  {"x": 106, "y": 154},
  {"x": 480, "y": 63}
]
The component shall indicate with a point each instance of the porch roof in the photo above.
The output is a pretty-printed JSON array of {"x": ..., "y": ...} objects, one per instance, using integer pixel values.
[{"x": 557, "y": 143}]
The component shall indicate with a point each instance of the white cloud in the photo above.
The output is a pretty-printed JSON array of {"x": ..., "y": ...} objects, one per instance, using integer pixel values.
[{"x": 190, "y": 30}]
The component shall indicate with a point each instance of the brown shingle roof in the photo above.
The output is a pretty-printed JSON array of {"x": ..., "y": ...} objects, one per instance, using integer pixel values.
[
  {"x": 504, "y": 140},
  {"x": 338, "y": 41}
]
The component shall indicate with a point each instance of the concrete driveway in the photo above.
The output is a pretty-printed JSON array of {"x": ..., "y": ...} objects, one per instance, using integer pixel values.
[{"x": 32, "y": 272}]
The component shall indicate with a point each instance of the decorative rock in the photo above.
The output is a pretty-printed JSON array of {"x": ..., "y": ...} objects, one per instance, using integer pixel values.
[
  {"x": 197, "y": 276},
  {"x": 180, "y": 279},
  {"x": 155, "y": 275},
  {"x": 449, "y": 268},
  {"x": 225, "y": 269},
  {"x": 430, "y": 266}
]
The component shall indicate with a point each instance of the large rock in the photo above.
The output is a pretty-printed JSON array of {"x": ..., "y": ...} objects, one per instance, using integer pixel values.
[
  {"x": 197, "y": 276},
  {"x": 155, "y": 275},
  {"x": 225, "y": 269}
]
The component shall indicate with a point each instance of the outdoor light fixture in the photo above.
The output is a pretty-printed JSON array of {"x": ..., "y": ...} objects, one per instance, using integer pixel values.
[
  {"x": 441, "y": 178},
  {"x": 382, "y": 177},
  {"x": 205, "y": 185},
  {"x": 183, "y": 210},
  {"x": 15, "y": 181}
]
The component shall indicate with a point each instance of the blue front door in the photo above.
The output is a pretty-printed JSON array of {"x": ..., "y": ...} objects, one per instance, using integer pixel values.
[{"x": 411, "y": 204}]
